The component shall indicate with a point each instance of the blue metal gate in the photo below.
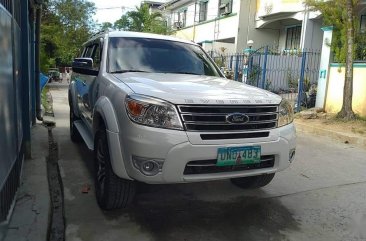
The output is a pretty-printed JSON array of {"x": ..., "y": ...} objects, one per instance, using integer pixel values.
[{"x": 291, "y": 74}]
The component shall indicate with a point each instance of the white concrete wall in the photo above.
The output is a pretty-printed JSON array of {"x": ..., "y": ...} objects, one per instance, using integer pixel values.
[
  {"x": 212, "y": 9},
  {"x": 205, "y": 31},
  {"x": 190, "y": 15},
  {"x": 216, "y": 47},
  {"x": 317, "y": 35},
  {"x": 227, "y": 28}
]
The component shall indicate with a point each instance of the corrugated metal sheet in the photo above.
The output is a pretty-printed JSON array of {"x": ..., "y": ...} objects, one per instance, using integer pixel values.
[
  {"x": 11, "y": 136},
  {"x": 8, "y": 5}
]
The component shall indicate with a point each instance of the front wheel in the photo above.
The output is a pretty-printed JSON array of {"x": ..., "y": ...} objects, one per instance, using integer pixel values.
[
  {"x": 111, "y": 191},
  {"x": 253, "y": 182}
]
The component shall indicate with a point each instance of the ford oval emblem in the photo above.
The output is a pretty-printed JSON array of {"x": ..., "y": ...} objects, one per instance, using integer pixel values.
[{"x": 237, "y": 118}]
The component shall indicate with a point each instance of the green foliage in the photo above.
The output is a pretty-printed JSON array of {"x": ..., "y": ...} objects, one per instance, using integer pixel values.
[
  {"x": 268, "y": 85},
  {"x": 335, "y": 14},
  {"x": 307, "y": 84},
  {"x": 141, "y": 20},
  {"x": 220, "y": 62},
  {"x": 254, "y": 75},
  {"x": 123, "y": 23},
  {"x": 105, "y": 26},
  {"x": 65, "y": 26},
  {"x": 292, "y": 80},
  {"x": 46, "y": 100},
  {"x": 360, "y": 47}
]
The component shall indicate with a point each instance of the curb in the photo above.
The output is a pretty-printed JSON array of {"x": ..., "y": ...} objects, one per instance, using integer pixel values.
[
  {"x": 58, "y": 85},
  {"x": 347, "y": 138}
]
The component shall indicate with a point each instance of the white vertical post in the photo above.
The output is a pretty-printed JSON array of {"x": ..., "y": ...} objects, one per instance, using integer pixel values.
[
  {"x": 304, "y": 30},
  {"x": 324, "y": 66}
]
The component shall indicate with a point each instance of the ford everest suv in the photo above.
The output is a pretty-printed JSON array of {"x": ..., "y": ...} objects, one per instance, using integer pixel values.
[{"x": 156, "y": 109}]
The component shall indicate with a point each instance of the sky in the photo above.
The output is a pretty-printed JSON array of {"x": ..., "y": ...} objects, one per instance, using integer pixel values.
[{"x": 112, "y": 10}]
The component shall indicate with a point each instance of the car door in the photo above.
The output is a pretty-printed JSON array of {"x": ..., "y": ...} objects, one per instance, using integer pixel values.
[
  {"x": 83, "y": 83},
  {"x": 93, "y": 84}
]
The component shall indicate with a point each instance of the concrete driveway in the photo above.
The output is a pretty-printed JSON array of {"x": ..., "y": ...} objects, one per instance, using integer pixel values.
[{"x": 322, "y": 196}]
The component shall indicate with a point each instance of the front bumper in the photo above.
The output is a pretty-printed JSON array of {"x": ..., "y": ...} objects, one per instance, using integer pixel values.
[{"x": 176, "y": 149}]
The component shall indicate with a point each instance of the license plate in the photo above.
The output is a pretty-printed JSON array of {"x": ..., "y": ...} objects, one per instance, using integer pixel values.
[{"x": 228, "y": 156}]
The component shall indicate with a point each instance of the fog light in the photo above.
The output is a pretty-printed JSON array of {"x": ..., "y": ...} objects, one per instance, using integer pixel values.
[
  {"x": 292, "y": 155},
  {"x": 148, "y": 167}
]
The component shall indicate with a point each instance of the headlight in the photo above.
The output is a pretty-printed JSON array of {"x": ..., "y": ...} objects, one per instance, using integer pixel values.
[
  {"x": 286, "y": 113},
  {"x": 152, "y": 112}
]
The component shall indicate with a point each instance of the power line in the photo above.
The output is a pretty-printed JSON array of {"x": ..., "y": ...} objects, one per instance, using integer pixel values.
[{"x": 121, "y": 7}]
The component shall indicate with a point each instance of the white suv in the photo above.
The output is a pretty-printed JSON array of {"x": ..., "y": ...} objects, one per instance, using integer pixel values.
[{"x": 156, "y": 109}]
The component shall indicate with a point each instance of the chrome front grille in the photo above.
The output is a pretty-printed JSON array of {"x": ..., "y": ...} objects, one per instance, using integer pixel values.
[{"x": 214, "y": 118}]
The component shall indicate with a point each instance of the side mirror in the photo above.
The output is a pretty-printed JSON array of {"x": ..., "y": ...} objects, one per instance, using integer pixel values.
[
  {"x": 86, "y": 63},
  {"x": 84, "y": 66}
]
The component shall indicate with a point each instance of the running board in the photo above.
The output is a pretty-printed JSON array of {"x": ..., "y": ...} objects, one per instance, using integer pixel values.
[{"x": 85, "y": 134}]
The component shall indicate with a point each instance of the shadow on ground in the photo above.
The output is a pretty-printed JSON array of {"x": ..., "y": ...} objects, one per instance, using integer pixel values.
[
  {"x": 168, "y": 214},
  {"x": 177, "y": 211}
]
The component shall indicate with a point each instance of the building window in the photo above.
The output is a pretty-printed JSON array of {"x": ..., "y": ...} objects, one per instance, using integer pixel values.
[
  {"x": 203, "y": 11},
  {"x": 363, "y": 24},
  {"x": 225, "y": 7},
  {"x": 182, "y": 18},
  {"x": 293, "y": 37}
]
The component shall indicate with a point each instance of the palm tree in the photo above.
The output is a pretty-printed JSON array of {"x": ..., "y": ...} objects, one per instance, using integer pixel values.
[{"x": 141, "y": 20}]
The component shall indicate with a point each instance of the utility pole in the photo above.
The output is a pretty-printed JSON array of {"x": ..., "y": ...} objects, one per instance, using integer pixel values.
[{"x": 194, "y": 21}]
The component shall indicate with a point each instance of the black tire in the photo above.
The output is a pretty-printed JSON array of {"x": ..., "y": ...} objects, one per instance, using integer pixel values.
[
  {"x": 111, "y": 191},
  {"x": 74, "y": 133},
  {"x": 253, "y": 182}
]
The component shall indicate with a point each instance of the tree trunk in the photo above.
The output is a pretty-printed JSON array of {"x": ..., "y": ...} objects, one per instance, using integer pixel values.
[{"x": 346, "y": 111}]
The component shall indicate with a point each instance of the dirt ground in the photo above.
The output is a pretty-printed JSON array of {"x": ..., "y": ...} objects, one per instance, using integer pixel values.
[{"x": 356, "y": 127}]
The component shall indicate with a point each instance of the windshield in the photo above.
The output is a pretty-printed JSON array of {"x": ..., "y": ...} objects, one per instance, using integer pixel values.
[{"x": 158, "y": 56}]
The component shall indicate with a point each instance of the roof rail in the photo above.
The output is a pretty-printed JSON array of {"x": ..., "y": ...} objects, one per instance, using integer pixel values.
[{"x": 100, "y": 32}]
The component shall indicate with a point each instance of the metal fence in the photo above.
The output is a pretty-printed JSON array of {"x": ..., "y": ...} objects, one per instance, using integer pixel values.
[
  {"x": 11, "y": 108},
  {"x": 291, "y": 74}
]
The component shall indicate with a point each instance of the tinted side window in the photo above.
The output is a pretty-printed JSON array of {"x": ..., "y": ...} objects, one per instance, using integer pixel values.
[
  {"x": 82, "y": 53},
  {"x": 89, "y": 51},
  {"x": 96, "y": 57}
]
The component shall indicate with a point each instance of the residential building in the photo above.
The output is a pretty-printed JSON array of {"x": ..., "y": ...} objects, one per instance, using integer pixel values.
[
  {"x": 297, "y": 28},
  {"x": 212, "y": 23},
  {"x": 231, "y": 23},
  {"x": 153, "y": 5}
]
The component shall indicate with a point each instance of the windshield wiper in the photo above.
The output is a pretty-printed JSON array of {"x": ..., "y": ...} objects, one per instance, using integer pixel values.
[
  {"x": 128, "y": 70},
  {"x": 182, "y": 72}
]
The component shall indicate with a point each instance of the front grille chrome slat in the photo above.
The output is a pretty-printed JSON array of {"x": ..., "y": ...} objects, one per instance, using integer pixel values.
[
  {"x": 224, "y": 114},
  {"x": 213, "y": 118},
  {"x": 201, "y": 165},
  {"x": 226, "y": 123}
]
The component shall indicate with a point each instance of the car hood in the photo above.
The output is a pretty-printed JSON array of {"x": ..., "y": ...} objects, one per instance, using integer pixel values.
[{"x": 196, "y": 89}]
